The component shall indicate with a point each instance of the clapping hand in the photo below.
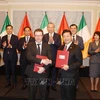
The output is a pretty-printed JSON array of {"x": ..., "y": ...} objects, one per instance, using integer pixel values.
[
  {"x": 4, "y": 44},
  {"x": 25, "y": 45}
]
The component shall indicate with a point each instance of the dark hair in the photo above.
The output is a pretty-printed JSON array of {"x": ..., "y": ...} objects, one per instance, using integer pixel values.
[
  {"x": 73, "y": 25},
  {"x": 27, "y": 27},
  {"x": 39, "y": 30},
  {"x": 9, "y": 26},
  {"x": 51, "y": 23},
  {"x": 97, "y": 33},
  {"x": 66, "y": 31}
]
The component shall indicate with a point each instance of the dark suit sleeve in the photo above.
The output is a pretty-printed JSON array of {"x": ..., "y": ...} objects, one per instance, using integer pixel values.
[
  {"x": 58, "y": 41},
  {"x": 15, "y": 43},
  {"x": 78, "y": 59},
  {"x": 81, "y": 44},
  {"x": 49, "y": 57},
  {"x": 90, "y": 51},
  {"x": 20, "y": 45},
  {"x": 29, "y": 55}
]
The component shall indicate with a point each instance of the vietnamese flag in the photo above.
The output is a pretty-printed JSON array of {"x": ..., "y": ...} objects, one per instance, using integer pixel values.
[
  {"x": 98, "y": 26},
  {"x": 63, "y": 26},
  {"x": 24, "y": 24}
]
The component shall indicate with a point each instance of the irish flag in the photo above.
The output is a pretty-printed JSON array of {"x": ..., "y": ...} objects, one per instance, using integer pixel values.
[
  {"x": 44, "y": 23},
  {"x": 84, "y": 33},
  {"x": 6, "y": 22}
]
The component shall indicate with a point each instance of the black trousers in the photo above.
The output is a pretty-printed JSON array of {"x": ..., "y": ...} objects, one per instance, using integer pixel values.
[
  {"x": 42, "y": 85},
  {"x": 23, "y": 68},
  {"x": 68, "y": 90},
  {"x": 53, "y": 75},
  {"x": 10, "y": 66}
]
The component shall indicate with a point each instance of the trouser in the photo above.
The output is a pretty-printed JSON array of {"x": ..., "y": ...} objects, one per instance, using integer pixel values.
[
  {"x": 23, "y": 68},
  {"x": 10, "y": 66},
  {"x": 42, "y": 85}
]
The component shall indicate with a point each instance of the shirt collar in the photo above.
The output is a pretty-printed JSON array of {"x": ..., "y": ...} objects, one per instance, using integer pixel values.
[
  {"x": 52, "y": 34},
  {"x": 68, "y": 45},
  {"x": 38, "y": 43}
]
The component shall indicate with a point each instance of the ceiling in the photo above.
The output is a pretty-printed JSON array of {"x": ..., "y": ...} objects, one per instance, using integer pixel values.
[{"x": 52, "y": 1}]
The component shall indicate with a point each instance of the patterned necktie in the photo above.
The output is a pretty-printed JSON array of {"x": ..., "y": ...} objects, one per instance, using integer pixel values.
[{"x": 38, "y": 49}]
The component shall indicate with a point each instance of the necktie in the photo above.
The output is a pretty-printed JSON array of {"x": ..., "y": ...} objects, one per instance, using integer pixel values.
[
  {"x": 27, "y": 39},
  {"x": 73, "y": 38},
  {"x": 38, "y": 49},
  {"x": 65, "y": 48}
]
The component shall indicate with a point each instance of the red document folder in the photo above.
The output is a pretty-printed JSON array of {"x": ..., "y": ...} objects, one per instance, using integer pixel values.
[
  {"x": 38, "y": 65},
  {"x": 62, "y": 58}
]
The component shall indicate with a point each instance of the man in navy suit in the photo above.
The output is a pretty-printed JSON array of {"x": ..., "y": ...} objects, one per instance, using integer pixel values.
[
  {"x": 76, "y": 38},
  {"x": 22, "y": 46},
  {"x": 54, "y": 40},
  {"x": 9, "y": 45}
]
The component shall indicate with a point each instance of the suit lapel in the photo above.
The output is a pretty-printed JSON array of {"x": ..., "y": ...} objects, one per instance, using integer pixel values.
[
  {"x": 34, "y": 47},
  {"x": 47, "y": 38},
  {"x": 42, "y": 49},
  {"x": 11, "y": 40},
  {"x": 30, "y": 39},
  {"x": 24, "y": 39},
  {"x": 70, "y": 47},
  {"x": 54, "y": 36}
]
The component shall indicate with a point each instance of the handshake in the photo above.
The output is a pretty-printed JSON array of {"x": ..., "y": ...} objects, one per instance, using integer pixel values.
[{"x": 46, "y": 61}]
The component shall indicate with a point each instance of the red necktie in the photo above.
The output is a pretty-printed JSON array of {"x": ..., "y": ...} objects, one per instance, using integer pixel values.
[{"x": 65, "y": 48}]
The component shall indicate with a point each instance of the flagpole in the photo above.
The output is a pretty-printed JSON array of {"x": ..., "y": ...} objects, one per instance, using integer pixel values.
[
  {"x": 25, "y": 12},
  {"x": 82, "y": 13},
  {"x": 7, "y": 12}
]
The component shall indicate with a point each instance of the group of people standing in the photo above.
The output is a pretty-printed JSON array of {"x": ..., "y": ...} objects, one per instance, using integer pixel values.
[{"x": 47, "y": 45}]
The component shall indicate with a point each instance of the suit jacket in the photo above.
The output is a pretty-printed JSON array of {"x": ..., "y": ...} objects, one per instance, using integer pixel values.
[
  {"x": 31, "y": 57},
  {"x": 23, "y": 51},
  {"x": 94, "y": 57},
  {"x": 0, "y": 42},
  {"x": 80, "y": 41},
  {"x": 74, "y": 61},
  {"x": 12, "y": 51},
  {"x": 55, "y": 46}
]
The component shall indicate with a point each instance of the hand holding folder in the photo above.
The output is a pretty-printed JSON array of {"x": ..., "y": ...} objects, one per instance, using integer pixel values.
[
  {"x": 36, "y": 69},
  {"x": 62, "y": 58}
]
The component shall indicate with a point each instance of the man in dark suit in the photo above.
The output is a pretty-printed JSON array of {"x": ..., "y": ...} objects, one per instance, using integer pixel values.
[
  {"x": 22, "y": 45},
  {"x": 9, "y": 45},
  {"x": 70, "y": 71},
  {"x": 39, "y": 78},
  {"x": 76, "y": 38},
  {"x": 54, "y": 40}
]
